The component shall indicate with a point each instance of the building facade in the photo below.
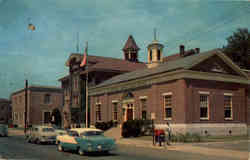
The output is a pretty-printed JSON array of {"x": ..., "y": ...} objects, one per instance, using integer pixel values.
[
  {"x": 44, "y": 106},
  {"x": 5, "y": 111},
  {"x": 195, "y": 92},
  {"x": 99, "y": 69}
]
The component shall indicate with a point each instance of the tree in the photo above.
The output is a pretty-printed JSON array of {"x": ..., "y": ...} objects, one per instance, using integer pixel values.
[{"x": 238, "y": 48}]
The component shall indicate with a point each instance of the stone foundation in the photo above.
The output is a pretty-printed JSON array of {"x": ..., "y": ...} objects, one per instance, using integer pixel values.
[{"x": 208, "y": 128}]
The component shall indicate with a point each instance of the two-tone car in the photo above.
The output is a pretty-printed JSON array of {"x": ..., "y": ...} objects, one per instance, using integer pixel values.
[
  {"x": 41, "y": 134},
  {"x": 3, "y": 130},
  {"x": 85, "y": 140}
]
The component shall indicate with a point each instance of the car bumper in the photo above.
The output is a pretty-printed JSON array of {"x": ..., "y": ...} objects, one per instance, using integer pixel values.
[{"x": 101, "y": 148}]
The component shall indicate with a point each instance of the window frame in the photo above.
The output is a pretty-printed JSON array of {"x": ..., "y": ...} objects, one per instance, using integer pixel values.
[
  {"x": 207, "y": 95},
  {"x": 98, "y": 112},
  {"x": 168, "y": 94},
  {"x": 231, "y": 106}
]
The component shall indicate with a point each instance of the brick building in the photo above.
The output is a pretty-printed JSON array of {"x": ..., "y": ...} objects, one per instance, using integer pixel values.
[
  {"x": 197, "y": 92},
  {"x": 43, "y": 103},
  {"x": 99, "y": 69},
  {"x": 5, "y": 111}
]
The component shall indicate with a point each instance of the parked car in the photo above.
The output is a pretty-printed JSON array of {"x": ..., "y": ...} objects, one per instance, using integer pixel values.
[
  {"x": 3, "y": 130},
  {"x": 85, "y": 140},
  {"x": 60, "y": 132},
  {"x": 41, "y": 134}
]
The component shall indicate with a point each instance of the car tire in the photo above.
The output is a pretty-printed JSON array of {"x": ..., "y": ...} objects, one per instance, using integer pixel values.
[
  {"x": 38, "y": 141},
  {"x": 60, "y": 148},
  {"x": 80, "y": 151}
]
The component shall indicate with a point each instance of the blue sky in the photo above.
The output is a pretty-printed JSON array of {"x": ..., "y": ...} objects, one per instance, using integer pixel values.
[{"x": 106, "y": 24}]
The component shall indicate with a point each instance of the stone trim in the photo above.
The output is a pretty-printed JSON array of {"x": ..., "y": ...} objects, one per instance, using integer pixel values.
[
  {"x": 228, "y": 94},
  {"x": 115, "y": 101},
  {"x": 143, "y": 97},
  {"x": 204, "y": 92},
  {"x": 167, "y": 94}
]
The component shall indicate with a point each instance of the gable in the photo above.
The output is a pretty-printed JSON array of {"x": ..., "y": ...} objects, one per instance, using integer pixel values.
[{"x": 215, "y": 64}]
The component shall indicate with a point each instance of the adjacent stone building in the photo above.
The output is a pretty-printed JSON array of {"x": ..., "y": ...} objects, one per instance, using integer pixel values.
[
  {"x": 44, "y": 104},
  {"x": 5, "y": 111},
  {"x": 195, "y": 92}
]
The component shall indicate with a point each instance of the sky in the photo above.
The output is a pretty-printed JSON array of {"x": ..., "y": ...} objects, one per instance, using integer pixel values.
[{"x": 40, "y": 55}]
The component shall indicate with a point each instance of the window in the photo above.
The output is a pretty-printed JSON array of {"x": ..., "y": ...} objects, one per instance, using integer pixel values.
[
  {"x": 150, "y": 55},
  {"x": 228, "y": 107},
  {"x": 115, "y": 111},
  {"x": 144, "y": 114},
  {"x": 158, "y": 54},
  {"x": 168, "y": 106},
  {"x": 204, "y": 102},
  {"x": 98, "y": 112},
  {"x": 47, "y": 99},
  {"x": 46, "y": 117},
  {"x": 144, "y": 109}
]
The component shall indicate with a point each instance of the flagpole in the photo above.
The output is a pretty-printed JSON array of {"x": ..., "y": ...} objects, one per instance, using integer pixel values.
[{"x": 87, "y": 77}]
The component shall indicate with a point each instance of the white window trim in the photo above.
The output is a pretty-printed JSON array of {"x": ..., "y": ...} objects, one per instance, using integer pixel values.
[
  {"x": 143, "y": 97},
  {"x": 208, "y": 105},
  {"x": 204, "y": 92},
  {"x": 228, "y": 94},
  {"x": 164, "y": 95},
  {"x": 167, "y": 94},
  {"x": 98, "y": 103},
  {"x": 115, "y": 101},
  {"x": 231, "y": 95}
]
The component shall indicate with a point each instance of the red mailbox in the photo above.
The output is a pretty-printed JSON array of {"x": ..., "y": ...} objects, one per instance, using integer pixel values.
[{"x": 158, "y": 132}]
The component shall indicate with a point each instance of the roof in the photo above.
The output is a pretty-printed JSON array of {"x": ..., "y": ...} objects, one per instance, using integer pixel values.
[
  {"x": 4, "y": 100},
  {"x": 40, "y": 88},
  {"x": 182, "y": 63},
  {"x": 172, "y": 57},
  {"x": 80, "y": 130},
  {"x": 113, "y": 64},
  {"x": 130, "y": 44},
  {"x": 64, "y": 78}
]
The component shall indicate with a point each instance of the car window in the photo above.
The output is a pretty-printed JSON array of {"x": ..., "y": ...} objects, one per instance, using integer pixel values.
[
  {"x": 73, "y": 133},
  {"x": 92, "y": 133},
  {"x": 48, "y": 130}
]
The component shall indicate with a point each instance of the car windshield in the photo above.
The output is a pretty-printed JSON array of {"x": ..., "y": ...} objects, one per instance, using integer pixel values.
[
  {"x": 48, "y": 130},
  {"x": 92, "y": 133}
]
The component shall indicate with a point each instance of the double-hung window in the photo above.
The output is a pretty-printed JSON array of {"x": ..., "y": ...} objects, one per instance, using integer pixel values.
[{"x": 228, "y": 108}]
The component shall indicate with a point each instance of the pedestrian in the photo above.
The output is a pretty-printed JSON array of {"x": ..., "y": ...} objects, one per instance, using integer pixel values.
[{"x": 169, "y": 131}]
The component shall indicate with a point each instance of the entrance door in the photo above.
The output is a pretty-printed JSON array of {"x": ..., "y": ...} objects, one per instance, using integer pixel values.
[{"x": 130, "y": 114}]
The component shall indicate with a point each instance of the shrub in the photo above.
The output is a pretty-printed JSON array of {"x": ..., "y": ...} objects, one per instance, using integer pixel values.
[
  {"x": 187, "y": 137},
  {"x": 105, "y": 125}
]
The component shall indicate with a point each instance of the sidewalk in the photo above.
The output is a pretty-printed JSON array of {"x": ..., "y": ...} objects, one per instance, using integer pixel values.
[{"x": 187, "y": 147}]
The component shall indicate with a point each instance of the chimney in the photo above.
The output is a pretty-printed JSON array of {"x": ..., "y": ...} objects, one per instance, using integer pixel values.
[
  {"x": 182, "y": 50},
  {"x": 197, "y": 50}
]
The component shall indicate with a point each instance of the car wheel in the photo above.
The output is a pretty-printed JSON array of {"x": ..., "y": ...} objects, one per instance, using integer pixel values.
[
  {"x": 38, "y": 141},
  {"x": 60, "y": 148},
  {"x": 80, "y": 151}
]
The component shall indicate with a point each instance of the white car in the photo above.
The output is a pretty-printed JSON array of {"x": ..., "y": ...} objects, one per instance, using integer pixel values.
[{"x": 41, "y": 134}]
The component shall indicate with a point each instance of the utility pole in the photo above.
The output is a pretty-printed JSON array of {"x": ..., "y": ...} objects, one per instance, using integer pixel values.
[
  {"x": 26, "y": 103},
  {"x": 87, "y": 78}
]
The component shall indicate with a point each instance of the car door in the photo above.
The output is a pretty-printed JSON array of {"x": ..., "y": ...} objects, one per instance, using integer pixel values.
[{"x": 68, "y": 141}]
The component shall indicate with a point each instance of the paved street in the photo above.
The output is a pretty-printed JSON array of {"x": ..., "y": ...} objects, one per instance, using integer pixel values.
[{"x": 14, "y": 147}]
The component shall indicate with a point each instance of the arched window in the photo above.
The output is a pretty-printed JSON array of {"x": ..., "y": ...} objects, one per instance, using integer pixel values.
[{"x": 47, "y": 99}]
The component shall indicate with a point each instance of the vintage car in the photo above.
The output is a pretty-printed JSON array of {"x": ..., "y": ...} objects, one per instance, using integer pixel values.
[
  {"x": 41, "y": 134},
  {"x": 3, "y": 130},
  {"x": 85, "y": 140}
]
